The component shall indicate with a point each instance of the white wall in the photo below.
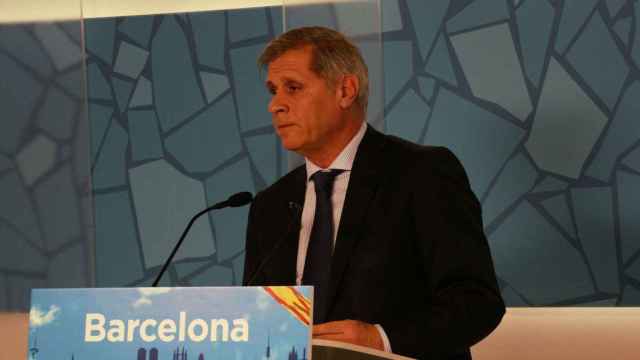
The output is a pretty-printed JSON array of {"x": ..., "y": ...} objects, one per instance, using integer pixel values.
[{"x": 16, "y": 11}]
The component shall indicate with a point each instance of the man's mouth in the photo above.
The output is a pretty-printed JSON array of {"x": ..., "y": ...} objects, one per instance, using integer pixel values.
[{"x": 284, "y": 126}]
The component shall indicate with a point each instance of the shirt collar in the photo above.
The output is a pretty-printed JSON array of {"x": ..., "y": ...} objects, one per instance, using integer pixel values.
[{"x": 344, "y": 161}]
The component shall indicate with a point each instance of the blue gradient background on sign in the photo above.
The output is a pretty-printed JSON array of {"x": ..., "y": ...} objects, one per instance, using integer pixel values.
[{"x": 268, "y": 322}]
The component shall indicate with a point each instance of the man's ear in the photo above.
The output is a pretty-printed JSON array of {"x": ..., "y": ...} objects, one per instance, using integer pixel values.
[{"x": 348, "y": 90}]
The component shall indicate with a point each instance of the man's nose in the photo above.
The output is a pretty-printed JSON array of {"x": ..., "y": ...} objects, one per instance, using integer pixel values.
[{"x": 276, "y": 105}]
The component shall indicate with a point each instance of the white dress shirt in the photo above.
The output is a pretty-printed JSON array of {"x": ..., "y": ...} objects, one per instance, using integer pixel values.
[{"x": 344, "y": 162}]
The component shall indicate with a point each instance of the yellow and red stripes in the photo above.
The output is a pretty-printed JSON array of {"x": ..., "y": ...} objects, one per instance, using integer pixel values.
[{"x": 292, "y": 300}]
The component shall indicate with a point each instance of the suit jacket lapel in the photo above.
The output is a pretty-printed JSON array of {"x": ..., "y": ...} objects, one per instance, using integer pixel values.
[
  {"x": 362, "y": 186},
  {"x": 284, "y": 263}
]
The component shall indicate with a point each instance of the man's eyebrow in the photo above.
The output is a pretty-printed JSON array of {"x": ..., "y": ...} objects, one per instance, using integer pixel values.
[
  {"x": 294, "y": 81},
  {"x": 287, "y": 79}
]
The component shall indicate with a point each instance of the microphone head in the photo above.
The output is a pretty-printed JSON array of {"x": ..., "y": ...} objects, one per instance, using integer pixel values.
[{"x": 239, "y": 199}]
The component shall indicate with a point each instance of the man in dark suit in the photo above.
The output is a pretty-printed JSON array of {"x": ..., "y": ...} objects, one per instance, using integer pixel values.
[{"x": 388, "y": 232}]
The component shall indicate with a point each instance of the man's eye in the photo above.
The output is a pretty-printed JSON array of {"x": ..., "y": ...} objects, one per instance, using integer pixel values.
[{"x": 292, "y": 88}]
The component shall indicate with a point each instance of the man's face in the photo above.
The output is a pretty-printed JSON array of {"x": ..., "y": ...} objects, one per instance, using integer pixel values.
[{"x": 305, "y": 109}]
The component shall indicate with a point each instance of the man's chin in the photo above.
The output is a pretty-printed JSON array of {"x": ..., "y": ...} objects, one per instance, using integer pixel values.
[
  {"x": 290, "y": 145},
  {"x": 294, "y": 148}
]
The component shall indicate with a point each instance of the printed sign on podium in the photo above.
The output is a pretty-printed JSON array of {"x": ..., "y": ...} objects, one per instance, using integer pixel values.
[{"x": 195, "y": 323}]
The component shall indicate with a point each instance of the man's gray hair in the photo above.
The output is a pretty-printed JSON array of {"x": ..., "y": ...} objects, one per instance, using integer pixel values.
[{"x": 333, "y": 55}]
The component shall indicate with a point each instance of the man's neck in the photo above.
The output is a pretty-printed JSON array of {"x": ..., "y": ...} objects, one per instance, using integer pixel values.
[{"x": 324, "y": 157}]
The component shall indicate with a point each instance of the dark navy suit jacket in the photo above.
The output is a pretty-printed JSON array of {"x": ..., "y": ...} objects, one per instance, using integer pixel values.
[{"x": 410, "y": 251}]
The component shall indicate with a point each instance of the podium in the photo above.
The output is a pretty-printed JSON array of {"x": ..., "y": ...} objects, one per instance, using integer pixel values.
[{"x": 271, "y": 322}]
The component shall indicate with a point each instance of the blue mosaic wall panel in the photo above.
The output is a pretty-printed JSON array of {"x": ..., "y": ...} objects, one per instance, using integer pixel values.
[
  {"x": 45, "y": 197},
  {"x": 169, "y": 99},
  {"x": 539, "y": 101},
  {"x": 538, "y": 98}
]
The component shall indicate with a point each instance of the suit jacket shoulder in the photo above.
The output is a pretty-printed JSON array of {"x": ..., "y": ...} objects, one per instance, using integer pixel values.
[{"x": 423, "y": 162}]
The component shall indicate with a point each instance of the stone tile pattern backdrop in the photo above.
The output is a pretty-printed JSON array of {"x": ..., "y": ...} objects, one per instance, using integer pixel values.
[
  {"x": 45, "y": 204},
  {"x": 178, "y": 122},
  {"x": 539, "y": 99}
]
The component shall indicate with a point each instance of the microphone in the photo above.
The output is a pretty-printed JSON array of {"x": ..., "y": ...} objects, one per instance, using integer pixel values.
[
  {"x": 295, "y": 213},
  {"x": 235, "y": 200}
]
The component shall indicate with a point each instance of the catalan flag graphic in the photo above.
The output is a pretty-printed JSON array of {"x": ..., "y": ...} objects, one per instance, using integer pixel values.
[{"x": 292, "y": 300}]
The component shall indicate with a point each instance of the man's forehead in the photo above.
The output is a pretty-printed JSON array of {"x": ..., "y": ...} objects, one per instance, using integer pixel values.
[
  {"x": 284, "y": 75},
  {"x": 292, "y": 61}
]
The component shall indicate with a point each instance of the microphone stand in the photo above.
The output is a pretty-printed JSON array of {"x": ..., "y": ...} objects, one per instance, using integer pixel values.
[{"x": 235, "y": 200}]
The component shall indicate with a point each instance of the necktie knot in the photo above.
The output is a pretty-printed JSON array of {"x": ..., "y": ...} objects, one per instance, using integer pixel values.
[{"x": 323, "y": 180}]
